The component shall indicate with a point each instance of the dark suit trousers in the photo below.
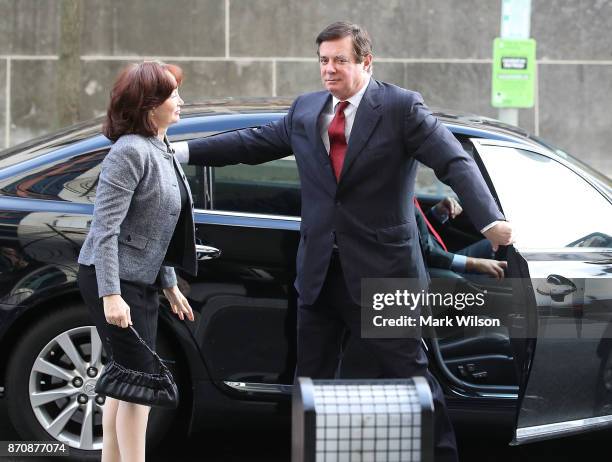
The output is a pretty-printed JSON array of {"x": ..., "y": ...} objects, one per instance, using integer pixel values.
[
  {"x": 321, "y": 330},
  {"x": 479, "y": 249}
]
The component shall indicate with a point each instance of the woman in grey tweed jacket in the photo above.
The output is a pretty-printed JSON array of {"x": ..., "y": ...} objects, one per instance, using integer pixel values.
[{"x": 142, "y": 228}]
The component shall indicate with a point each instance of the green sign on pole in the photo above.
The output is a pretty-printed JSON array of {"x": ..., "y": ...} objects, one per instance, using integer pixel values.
[{"x": 513, "y": 73}]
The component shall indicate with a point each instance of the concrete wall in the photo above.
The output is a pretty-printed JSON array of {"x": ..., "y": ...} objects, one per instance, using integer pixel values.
[{"x": 441, "y": 48}]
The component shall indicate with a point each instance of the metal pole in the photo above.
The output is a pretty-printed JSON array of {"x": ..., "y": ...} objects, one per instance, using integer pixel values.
[{"x": 515, "y": 24}]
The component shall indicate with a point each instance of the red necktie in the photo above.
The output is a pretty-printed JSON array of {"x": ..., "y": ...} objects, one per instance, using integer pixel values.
[
  {"x": 429, "y": 225},
  {"x": 337, "y": 139}
]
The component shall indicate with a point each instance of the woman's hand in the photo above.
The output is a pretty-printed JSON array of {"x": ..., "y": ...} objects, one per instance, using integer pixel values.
[
  {"x": 116, "y": 311},
  {"x": 178, "y": 303}
]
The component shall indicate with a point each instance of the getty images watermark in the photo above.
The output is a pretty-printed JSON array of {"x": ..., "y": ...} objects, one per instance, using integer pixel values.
[{"x": 526, "y": 308}]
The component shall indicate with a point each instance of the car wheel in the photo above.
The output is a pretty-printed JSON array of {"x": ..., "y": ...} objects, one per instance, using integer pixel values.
[{"x": 50, "y": 384}]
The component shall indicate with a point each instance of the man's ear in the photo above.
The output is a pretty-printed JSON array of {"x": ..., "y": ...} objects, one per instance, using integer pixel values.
[{"x": 367, "y": 63}]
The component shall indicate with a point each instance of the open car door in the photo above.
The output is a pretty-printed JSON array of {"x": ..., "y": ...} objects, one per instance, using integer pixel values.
[{"x": 561, "y": 325}]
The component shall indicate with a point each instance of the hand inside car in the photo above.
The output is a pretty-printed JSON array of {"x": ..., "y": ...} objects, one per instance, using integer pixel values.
[
  {"x": 493, "y": 268},
  {"x": 178, "y": 303},
  {"x": 116, "y": 311},
  {"x": 500, "y": 234},
  {"x": 448, "y": 207}
]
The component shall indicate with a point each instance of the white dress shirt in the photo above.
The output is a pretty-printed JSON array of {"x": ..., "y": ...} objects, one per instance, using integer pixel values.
[
  {"x": 181, "y": 151},
  {"x": 326, "y": 117}
]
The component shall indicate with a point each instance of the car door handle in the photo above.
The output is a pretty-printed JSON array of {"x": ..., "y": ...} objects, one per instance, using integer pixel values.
[
  {"x": 206, "y": 252},
  {"x": 557, "y": 287}
]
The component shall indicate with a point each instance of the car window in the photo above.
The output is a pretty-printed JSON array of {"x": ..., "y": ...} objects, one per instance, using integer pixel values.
[
  {"x": 427, "y": 184},
  {"x": 548, "y": 204},
  {"x": 272, "y": 188},
  {"x": 75, "y": 179},
  {"x": 197, "y": 184}
]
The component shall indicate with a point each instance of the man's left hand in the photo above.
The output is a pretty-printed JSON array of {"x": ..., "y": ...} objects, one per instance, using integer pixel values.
[
  {"x": 178, "y": 303},
  {"x": 500, "y": 234},
  {"x": 488, "y": 266}
]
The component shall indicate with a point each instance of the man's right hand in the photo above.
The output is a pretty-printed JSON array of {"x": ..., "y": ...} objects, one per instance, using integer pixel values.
[
  {"x": 493, "y": 268},
  {"x": 116, "y": 311}
]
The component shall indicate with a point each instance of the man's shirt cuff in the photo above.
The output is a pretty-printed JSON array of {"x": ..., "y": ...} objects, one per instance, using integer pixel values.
[
  {"x": 181, "y": 152},
  {"x": 459, "y": 263},
  {"x": 486, "y": 228}
]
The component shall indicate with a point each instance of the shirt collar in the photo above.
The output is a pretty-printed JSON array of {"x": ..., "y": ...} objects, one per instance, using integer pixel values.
[{"x": 356, "y": 98}]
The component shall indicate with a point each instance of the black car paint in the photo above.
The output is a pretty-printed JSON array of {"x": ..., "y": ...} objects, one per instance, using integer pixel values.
[{"x": 244, "y": 301}]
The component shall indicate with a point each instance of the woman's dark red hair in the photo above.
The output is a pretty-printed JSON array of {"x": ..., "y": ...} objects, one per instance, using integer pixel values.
[{"x": 139, "y": 88}]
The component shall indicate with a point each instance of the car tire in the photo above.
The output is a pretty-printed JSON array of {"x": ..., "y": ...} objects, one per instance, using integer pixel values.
[{"x": 41, "y": 349}]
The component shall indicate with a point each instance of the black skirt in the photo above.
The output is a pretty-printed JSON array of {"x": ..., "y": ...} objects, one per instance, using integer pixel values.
[{"x": 120, "y": 343}]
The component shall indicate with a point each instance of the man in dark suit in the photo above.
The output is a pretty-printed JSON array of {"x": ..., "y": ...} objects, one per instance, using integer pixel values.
[
  {"x": 356, "y": 145},
  {"x": 476, "y": 258}
]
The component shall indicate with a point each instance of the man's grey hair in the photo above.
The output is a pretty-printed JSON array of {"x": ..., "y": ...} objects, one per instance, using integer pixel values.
[{"x": 362, "y": 43}]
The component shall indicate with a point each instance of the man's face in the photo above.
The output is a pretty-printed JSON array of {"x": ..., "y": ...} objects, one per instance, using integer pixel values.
[{"x": 341, "y": 74}]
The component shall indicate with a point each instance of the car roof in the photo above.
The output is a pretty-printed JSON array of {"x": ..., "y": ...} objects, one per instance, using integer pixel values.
[{"x": 469, "y": 124}]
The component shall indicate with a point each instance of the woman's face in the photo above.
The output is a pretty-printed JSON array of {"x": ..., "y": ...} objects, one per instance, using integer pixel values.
[{"x": 169, "y": 111}]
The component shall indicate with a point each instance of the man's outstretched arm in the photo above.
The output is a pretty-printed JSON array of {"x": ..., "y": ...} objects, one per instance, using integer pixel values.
[{"x": 247, "y": 146}]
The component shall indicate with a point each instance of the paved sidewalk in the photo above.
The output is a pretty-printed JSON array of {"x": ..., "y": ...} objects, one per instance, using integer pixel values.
[{"x": 273, "y": 445}]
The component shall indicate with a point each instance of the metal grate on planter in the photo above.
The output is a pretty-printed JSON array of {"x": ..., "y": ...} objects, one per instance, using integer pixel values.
[{"x": 362, "y": 421}]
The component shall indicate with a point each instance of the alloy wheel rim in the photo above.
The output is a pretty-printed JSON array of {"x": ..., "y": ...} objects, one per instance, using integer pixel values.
[{"x": 61, "y": 388}]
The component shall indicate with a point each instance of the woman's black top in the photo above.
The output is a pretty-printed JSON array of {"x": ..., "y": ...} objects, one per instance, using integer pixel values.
[
  {"x": 182, "y": 189},
  {"x": 174, "y": 254}
]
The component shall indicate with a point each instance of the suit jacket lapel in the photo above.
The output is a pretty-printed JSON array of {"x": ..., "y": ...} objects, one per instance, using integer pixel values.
[
  {"x": 313, "y": 132},
  {"x": 366, "y": 119},
  {"x": 312, "y": 127}
]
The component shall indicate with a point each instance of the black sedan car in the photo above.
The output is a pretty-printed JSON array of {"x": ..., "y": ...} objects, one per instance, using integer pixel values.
[{"x": 546, "y": 370}]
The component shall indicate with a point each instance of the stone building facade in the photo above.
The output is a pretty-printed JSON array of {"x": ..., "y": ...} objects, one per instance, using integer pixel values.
[{"x": 58, "y": 58}]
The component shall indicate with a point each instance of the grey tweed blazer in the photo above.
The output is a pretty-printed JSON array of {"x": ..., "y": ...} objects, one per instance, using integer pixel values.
[{"x": 136, "y": 210}]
